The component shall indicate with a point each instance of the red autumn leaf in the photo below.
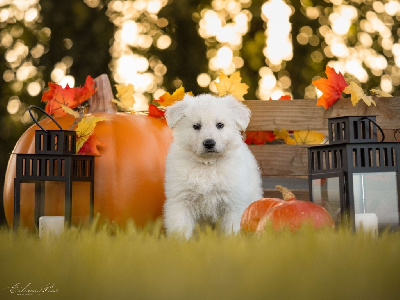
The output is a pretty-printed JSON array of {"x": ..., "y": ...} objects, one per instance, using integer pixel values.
[
  {"x": 57, "y": 96},
  {"x": 84, "y": 93},
  {"x": 331, "y": 88},
  {"x": 259, "y": 137},
  {"x": 284, "y": 97},
  {"x": 70, "y": 97},
  {"x": 90, "y": 146},
  {"x": 155, "y": 112}
]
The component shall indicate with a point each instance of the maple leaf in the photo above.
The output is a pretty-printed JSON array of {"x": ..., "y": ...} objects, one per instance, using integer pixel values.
[
  {"x": 85, "y": 129},
  {"x": 308, "y": 137},
  {"x": 357, "y": 94},
  {"x": 284, "y": 97},
  {"x": 331, "y": 88},
  {"x": 125, "y": 96},
  {"x": 84, "y": 93},
  {"x": 259, "y": 137},
  {"x": 231, "y": 86},
  {"x": 380, "y": 93},
  {"x": 58, "y": 96},
  {"x": 90, "y": 146},
  {"x": 70, "y": 97},
  {"x": 284, "y": 135},
  {"x": 155, "y": 112},
  {"x": 167, "y": 99}
]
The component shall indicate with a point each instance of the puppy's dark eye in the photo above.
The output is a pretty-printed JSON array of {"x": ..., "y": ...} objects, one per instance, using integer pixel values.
[
  {"x": 196, "y": 126},
  {"x": 220, "y": 125}
]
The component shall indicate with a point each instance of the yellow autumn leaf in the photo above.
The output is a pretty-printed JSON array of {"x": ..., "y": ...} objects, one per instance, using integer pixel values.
[
  {"x": 70, "y": 111},
  {"x": 231, "y": 85},
  {"x": 284, "y": 135},
  {"x": 308, "y": 137},
  {"x": 167, "y": 99},
  {"x": 380, "y": 93},
  {"x": 357, "y": 94},
  {"x": 85, "y": 129},
  {"x": 125, "y": 96}
]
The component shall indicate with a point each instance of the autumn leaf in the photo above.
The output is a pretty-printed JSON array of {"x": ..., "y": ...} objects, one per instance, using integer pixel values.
[
  {"x": 259, "y": 137},
  {"x": 284, "y": 97},
  {"x": 380, "y": 93},
  {"x": 357, "y": 94},
  {"x": 155, "y": 112},
  {"x": 85, "y": 129},
  {"x": 308, "y": 137},
  {"x": 125, "y": 96},
  {"x": 331, "y": 88},
  {"x": 231, "y": 85},
  {"x": 57, "y": 96},
  {"x": 90, "y": 146},
  {"x": 70, "y": 97},
  {"x": 84, "y": 93},
  {"x": 167, "y": 99},
  {"x": 284, "y": 135},
  {"x": 70, "y": 111}
]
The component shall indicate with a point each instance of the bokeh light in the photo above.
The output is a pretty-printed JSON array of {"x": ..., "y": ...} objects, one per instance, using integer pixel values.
[{"x": 137, "y": 30}]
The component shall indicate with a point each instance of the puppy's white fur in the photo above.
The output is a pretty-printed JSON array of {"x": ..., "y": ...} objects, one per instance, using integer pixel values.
[{"x": 203, "y": 184}]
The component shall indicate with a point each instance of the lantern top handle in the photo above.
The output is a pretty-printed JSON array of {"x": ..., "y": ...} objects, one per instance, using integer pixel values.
[
  {"x": 43, "y": 111},
  {"x": 377, "y": 126},
  {"x": 353, "y": 129}
]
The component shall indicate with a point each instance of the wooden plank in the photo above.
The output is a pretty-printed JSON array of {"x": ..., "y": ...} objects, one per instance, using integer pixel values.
[
  {"x": 305, "y": 115},
  {"x": 281, "y": 160}
]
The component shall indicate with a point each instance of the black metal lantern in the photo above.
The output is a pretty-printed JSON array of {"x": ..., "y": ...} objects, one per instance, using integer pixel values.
[
  {"x": 355, "y": 176},
  {"x": 54, "y": 160}
]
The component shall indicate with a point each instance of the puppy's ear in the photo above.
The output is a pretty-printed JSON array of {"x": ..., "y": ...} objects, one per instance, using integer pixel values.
[
  {"x": 175, "y": 112},
  {"x": 241, "y": 113}
]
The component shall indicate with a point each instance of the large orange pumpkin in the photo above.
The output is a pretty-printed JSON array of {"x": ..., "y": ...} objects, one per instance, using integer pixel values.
[{"x": 129, "y": 174}]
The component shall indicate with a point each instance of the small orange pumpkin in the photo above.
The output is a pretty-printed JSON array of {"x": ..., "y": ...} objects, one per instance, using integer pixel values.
[
  {"x": 293, "y": 214},
  {"x": 129, "y": 173},
  {"x": 256, "y": 210}
]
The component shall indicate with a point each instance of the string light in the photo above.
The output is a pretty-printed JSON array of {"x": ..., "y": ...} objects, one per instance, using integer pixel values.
[{"x": 278, "y": 48}]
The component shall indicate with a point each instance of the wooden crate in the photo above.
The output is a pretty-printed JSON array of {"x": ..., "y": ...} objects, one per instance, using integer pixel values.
[{"x": 288, "y": 164}]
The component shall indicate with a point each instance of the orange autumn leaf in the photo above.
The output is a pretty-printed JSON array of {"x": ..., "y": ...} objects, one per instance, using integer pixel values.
[
  {"x": 57, "y": 96},
  {"x": 167, "y": 99},
  {"x": 259, "y": 137},
  {"x": 331, "y": 88},
  {"x": 90, "y": 146},
  {"x": 84, "y": 93},
  {"x": 155, "y": 112}
]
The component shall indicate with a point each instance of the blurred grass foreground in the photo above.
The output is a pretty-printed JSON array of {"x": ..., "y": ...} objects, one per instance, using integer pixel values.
[{"x": 131, "y": 263}]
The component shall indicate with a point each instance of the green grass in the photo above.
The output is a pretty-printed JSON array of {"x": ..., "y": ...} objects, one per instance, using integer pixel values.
[{"x": 111, "y": 263}]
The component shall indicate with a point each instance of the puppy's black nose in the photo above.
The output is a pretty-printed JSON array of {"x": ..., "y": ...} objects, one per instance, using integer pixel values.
[{"x": 209, "y": 144}]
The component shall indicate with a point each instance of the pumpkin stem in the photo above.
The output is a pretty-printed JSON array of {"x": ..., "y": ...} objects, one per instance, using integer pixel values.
[
  {"x": 101, "y": 99},
  {"x": 286, "y": 193}
]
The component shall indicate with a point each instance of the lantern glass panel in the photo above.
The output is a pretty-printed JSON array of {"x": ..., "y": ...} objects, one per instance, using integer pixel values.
[
  {"x": 326, "y": 193},
  {"x": 376, "y": 193}
]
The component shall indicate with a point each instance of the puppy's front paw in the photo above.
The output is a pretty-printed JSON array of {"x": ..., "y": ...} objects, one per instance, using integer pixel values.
[
  {"x": 231, "y": 222},
  {"x": 178, "y": 221}
]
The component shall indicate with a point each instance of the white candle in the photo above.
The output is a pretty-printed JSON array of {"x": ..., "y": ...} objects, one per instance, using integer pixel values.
[
  {"x": 51, "y": 225},
  {"x": 368, "y": 222}
]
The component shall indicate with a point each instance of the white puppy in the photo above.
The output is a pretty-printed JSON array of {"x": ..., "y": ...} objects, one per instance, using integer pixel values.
[{"x": 211, "y": 174}]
